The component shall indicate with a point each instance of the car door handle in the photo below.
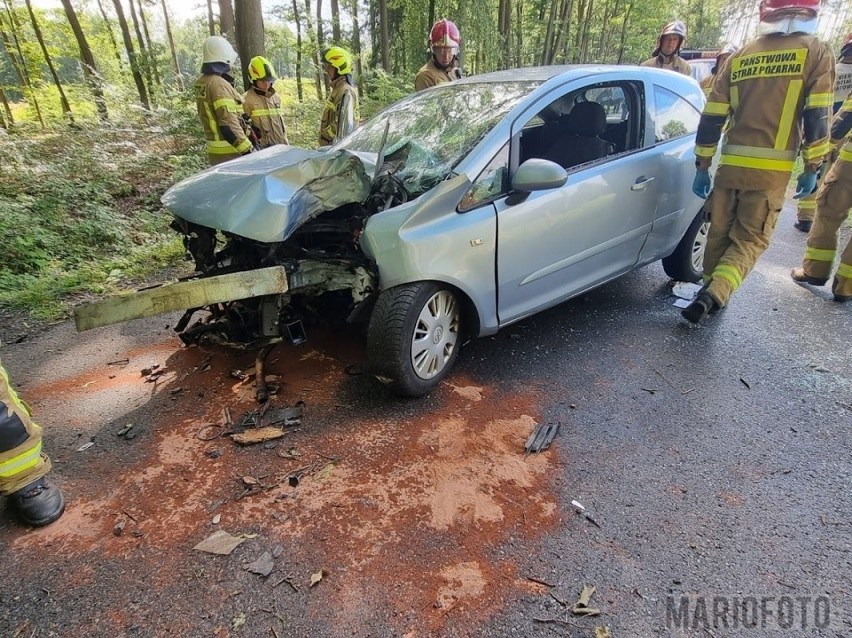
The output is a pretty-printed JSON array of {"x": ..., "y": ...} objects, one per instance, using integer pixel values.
[{"x": 641, "y": 183}]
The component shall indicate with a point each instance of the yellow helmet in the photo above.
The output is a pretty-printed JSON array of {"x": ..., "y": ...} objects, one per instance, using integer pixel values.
[
  {"x": 261, "y": 69},
  {"x": 339, "y": 58}
]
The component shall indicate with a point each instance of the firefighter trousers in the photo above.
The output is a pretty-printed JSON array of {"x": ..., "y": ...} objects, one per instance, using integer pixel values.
[
  {"x": 806, "y": 208},
  {"x": 834, "y": 199},
  {"x": 21, "y": 460},
  {"x": 741, "y": 223}
]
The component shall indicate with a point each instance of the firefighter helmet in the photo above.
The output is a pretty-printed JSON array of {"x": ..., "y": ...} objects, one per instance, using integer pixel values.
[
  {"x": 339, "y": 58},
  {"x": 775, "y": 9},
  {"x": 261, "y": 69},
  {"x": 675, "y": 27},
  {"x": 723, "y": 55},
  {"x": 218, "y": 49},
  {"x": 444, "y": 34}
]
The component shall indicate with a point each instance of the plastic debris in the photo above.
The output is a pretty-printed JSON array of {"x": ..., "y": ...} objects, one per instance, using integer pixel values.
[
  {"x": 541, "y": 437},
  {"x": 685, "y": 290}
]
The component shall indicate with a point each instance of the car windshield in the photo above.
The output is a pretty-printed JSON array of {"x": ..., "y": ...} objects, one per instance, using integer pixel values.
[{"x": 430, "y": 132}]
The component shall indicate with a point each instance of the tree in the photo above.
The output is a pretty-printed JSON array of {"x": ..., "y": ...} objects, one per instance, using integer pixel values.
[
  {"x": 356, "y": 47},
  {"x": 298, "y": 50},
  {"x": 211, "y": 21},
  {"x": 335, "y": 22},
  {"x": 151, "y": 57},
  {"x": 178, "y": 74},
  {"x": 143, "y": 58},
  {"x": 111, "y": 34},
  {"x": 63, "y": 100},
  {"x": 384, "y": 36},
  {"x": 7, "y": 120},
  {"x": 250, "y": 42},
  {"x": 318, "y": 66},
  {"x": 17, "y": 56},
  {"x": 227, "y": 21},
  {"x": 90, "y": 70},
  {"x": 131, "y": 55}
]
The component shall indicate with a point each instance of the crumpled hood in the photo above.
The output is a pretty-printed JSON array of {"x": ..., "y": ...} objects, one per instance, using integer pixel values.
[{"x": 265, "y": 196}]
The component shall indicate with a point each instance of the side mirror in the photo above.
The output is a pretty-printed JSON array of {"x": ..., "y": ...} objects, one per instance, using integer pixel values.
[{"x": 538, "y": 175}]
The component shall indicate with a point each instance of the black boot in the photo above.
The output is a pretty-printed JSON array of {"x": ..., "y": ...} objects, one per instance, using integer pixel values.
[
  {"x": 803, "y": 225},
  {"x": 701, "y": 306},
  {"x": 39, "y": 503},
  {"x": 800, "y": 276}
]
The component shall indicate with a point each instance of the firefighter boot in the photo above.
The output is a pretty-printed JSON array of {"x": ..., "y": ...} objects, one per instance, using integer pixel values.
[
  {"x": 800, "y": 276},
  {"x": 803, "y": 225},
  {"x": 701, "y": 306},
  {"x": 39, "y": 503}
]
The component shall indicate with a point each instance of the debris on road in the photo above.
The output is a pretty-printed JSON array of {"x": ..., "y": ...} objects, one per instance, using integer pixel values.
[
  {"x": 85, "y": 446},
  {"x": 685, "y": 290},
  {"x": 745, "y": 383},
  {"x": 581, "y": 607},
  {"x": 263, "y": 566},
  {"x": 541, "y": 437},
  {"x": 260, "y": 435},
  {"x": 125, "y": 431},
  {"x": 216, "y": 519},
  {"x": 221, "y": 543},
  {"x": 602, "y": 632},
  {"x": 582, "y": 510},
  {"x": 317, "y": 577},
  {"x": 118, "y": 530},
  {"x": 118, "y": 362}
]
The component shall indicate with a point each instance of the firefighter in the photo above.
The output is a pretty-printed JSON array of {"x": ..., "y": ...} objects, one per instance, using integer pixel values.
[
  {"x": 707, "y": 83},
  {"x": 219, "y": 104},
  {"x": 340, "y": 115},
  {"x": 842, "y": 86},
  {"x": 668, "y": 47},
  {"x": 443, "y": 66},
  {"x": 764, "y": 96},
  {"x": 833, "y": 202},
  {"x": 263, "y": 106},
  {"x": 23, "y": 467}
]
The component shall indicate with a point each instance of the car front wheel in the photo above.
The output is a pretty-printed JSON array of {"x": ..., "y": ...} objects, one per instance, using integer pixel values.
[
  {"x": 686, "y": 263},
  {"x": 413, "y": 336}
]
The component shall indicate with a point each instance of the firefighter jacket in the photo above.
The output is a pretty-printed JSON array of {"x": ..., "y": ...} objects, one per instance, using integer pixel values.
[
  {"x": 267, "y": 116},
  {"x": 219, "y": 110},
  {"x": 430, "y": 75},
  {"x": 707, "y": 84},
  {"x": 340, "y": 115},
  {"x": 841, "y": 130},
  {"x": 676, "y": 63},
  {"x": 765, "y": 93},
  {"x": 842, "y": 81}
]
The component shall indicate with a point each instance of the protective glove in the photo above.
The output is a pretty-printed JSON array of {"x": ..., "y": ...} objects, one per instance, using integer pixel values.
[
  {"x": 701, "y": 184},
  {"x": 805, "y": 185}
]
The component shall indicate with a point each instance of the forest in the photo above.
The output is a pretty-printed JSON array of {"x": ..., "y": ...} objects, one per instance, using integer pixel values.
[{"x": 97, "y": 118}]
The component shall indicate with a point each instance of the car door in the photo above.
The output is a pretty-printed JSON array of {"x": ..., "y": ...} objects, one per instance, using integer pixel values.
[{"x": 557, "y": 243}]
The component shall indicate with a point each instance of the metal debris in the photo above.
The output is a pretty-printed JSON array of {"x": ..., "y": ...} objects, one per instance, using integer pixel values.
[{"x": 541, "y": 437}]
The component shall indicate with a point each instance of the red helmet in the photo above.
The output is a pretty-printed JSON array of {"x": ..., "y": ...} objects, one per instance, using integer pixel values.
[
  {"x": 444, "y": 34},
  {"x": 768, "y": 8}
]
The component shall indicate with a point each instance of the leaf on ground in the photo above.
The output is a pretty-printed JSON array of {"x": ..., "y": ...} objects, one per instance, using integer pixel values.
[
  {"x": 258, "y": 435},
  {"x": 220, "y": 542},
  {"x": 317, "y": 577},
  {"x": 263, "y": 566},
  {"x": 238, "y": 621},
  {"x": 602, "y": 632}
]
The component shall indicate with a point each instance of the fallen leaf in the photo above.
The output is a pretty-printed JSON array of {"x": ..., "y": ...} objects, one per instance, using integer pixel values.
[
  {"x": 250, "y": 480},
  {"x": 258, "y": 435},
  {"x": 317, "y": 577},
  {"x": 602, "y": 632},
  {"x": 263, "y": 566},
  {"x": 221, "y": 543},
  {"x": 238, "y": 621}
]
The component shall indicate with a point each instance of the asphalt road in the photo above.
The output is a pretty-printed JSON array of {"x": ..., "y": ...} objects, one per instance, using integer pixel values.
[{"x": 714, "y": 462}]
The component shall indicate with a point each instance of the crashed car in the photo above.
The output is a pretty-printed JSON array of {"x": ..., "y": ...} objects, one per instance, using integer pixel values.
[{"x": 456, "y": 211}]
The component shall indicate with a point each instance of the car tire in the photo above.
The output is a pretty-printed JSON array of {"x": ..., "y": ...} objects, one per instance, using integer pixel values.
[
  {"x": 686, "y": 262},
  {"x": 413, "y": 337}
]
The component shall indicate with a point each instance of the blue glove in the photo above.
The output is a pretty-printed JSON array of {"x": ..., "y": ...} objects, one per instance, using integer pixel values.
[
  {"x": 701, "y": 184},
  {"x": 805, "y": 185}
]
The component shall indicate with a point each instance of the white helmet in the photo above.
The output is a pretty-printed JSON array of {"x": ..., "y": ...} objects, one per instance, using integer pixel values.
[{"x": 218, "y": 49}]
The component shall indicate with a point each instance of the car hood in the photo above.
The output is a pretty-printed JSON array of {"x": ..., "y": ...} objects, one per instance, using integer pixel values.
[{"x": 265, "y": 196}]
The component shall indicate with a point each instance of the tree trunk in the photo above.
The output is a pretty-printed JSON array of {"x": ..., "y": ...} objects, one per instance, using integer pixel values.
[
  {"x": 356, "y": 47},
  {"x": 504, "y": 28},
  {"x": 18, "y": 61},
  {"x": 90, "y": 71},
  {"x": 227, "y": 21},
  {"x": 298, "y": 50},
  {"x": 152, "y": 53},
  {"x": 624, "y": 33},
  {"x": 249, "y": 25},
  {"x": 318, "y": 65},
  {"x": 321, "y": 47},
  {"x": 211, "y": 21},
  {"x": 143, "y": 59},
  {"x": 111, "y": 35},
  {"x": 66, "y": 107},
  {"x": 431, "y": 19},
  {"x": 547, "y": 49},
  {"x": 563, "y": 33},
  {"x": 131, "y": 55},
  {"x": 335, "y": 22},
  {"x": 178, "y": 75},
  {"x": 8, "y": 120},
  {"x": 384, "y": 36}
]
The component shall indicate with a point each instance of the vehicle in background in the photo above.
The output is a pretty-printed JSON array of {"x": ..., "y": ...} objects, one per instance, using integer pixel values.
[{"x": 701, "y": 61}]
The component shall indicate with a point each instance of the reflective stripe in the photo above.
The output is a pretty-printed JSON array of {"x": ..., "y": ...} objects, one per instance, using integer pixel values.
[
  {"x": 844, "y": 270},
  {"x": 260, "y": 112},
  {"x": 788, "y": 113},
  {"x": 807, "y": 204},
  {"x": 758, "y": 151},
  {"x": 13, "y": 396},
  {"x": 845, "y": 155},
  {"x": 769, "y": 64},
  {"x": 23, "y": 461},
  {"x": 220, "y": 147},
  {"x": 717, "y": 108},
  {"x": 820, "y": 254},
  {"x": 816, "y": 151},
  {"x": 211, "y": 122},
  {"x": 226, "y": 103},
  {"x": 735, "y": 97},
  {"x": 730, "y": 274},
  {"x": 819, "y": 100},
  {"x": 707, "y": 91},
  {"x": 705, "y": 151},
  {"x": 754, "y": 162},
  {"x": 243, "y": 146}
]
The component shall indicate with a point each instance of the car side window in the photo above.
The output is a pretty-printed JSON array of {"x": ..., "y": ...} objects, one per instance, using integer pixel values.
[
  {"x": 585, "y": 125},
  {"x": 673, "y": 116},
  {"x": 491, "y": 183}
]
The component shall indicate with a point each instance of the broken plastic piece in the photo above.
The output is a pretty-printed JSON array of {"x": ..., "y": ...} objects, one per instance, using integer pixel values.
[{"x": 541, "y": 437}]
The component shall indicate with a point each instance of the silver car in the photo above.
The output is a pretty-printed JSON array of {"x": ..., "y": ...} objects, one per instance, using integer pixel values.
[{"x": 457, "y": 210}]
